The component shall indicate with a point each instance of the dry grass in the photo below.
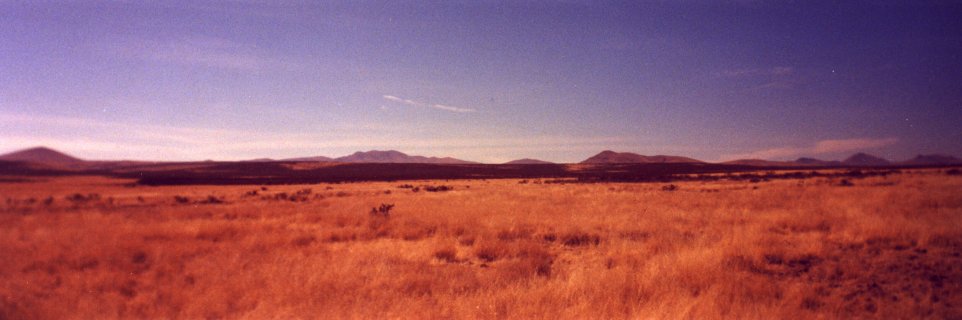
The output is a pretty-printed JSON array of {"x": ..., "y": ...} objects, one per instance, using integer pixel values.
[{"x": 887, "y": 247}]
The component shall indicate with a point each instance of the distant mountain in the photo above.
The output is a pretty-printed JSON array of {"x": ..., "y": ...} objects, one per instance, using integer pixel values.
[
  {"x": 932, "y": 159},
  {"x": 608, "y": 156},
  {"x": 41, "y": 155},
  {"x": 259, "y": 160},
  {"x": 307, "y": 159},
  {"x": 816, "y": 162},
  {"x": 761, "y": 163},
  {"x": 528, "y": 161},
  {"x": 392, "y": 156},
  {"x": 862, "y": 159}
]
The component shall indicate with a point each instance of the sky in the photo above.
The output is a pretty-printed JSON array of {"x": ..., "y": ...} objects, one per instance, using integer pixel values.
[{"x": 484, "y": 81}]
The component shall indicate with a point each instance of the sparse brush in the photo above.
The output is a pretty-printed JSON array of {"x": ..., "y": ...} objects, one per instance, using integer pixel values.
[
  {"x": 787, "y": 250},
  {"x": 384, "y": 211},
  {"x": 440, "y": 188},
  {"x": 578, "y": 238},
  {"x": 446, "y": 254},
  {"x": 77, "y": 197},
  {"x": 213, "y": 200},
  {"x": 490, "y": 251},
  {"x": 466, "y": 240}
]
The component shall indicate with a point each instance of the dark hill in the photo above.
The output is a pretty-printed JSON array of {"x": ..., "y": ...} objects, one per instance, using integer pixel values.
[
  {"x": 392, "y": 156},
  {"x": 41, "y": 155},
  {"x": 528, "y": 161},
  {"x": 609, "y": 156}
]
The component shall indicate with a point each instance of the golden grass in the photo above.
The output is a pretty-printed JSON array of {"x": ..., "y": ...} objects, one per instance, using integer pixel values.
[{"x": 887, "y": 247}]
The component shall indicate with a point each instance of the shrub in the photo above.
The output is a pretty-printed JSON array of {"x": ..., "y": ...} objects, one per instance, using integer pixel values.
[
  {"x": 76, "y": 197},
  {"x": 446, "y": 254},
  {"x": 383, "y": 211},
  {"x": 181, "y": 199},
  {"x": 669, "y": 187},
  {"x": 535, "y": 260},
  {"x": 574, "y": 239},
  {"x": 466, "y": 240},
  {"x": 440, "y": 188},
  {"x": 303, "y": 241},
  {"x": 514, "y": 234},
  {"x": 489, "y": 252},
  {"x": 213, "y": 200}
]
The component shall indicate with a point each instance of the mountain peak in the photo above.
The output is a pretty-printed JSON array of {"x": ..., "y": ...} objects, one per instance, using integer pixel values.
[
  {"x": 609, "y": 156},
  {"x": 394, "y": 156},
  {"x": 40, "y": 155}
]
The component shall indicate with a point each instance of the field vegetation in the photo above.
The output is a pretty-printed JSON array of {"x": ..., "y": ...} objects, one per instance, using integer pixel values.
[{"x": 883, "y": 246}]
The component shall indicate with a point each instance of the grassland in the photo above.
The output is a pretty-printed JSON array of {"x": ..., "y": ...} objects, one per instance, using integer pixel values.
[{"x": 93, "y": 247}]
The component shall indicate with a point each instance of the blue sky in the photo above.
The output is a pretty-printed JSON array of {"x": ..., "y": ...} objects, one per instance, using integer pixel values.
[{"x": 485, "y": 81}]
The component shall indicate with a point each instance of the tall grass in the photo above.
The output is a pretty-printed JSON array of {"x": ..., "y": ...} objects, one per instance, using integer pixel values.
[{"x": 884, "y": 247}]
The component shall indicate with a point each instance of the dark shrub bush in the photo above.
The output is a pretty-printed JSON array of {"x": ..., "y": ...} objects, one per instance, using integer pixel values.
[
  {"x": 574, "y": 239},
  {"x": 440, "y": 188},
  {"x": 383, "y": 211}
]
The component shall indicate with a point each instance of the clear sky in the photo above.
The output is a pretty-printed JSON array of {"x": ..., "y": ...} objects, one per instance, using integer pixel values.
[{"x": 484, "y": 81}]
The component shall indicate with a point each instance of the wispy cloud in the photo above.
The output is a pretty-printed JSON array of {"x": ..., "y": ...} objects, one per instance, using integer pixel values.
[
  {"x": 818, "y": 148},
  {"x": 847, "y": 145},
  {"x": 429, "y": 105},
  {"x": 779, "y": 77},
  {"x": 756, "y": 72},
  {"x": 200, "y": 51}
]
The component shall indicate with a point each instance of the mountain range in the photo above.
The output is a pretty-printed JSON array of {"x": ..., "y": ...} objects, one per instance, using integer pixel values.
[{"x": 50, "y": 157}]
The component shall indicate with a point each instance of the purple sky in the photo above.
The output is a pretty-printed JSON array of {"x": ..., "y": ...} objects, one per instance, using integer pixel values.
[{"x": 487, "y": 81}]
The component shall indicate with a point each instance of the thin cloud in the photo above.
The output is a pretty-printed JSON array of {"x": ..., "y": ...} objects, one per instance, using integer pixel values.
[
  {"x": 819, "y": 148},
  {"x": 756, "y": 72},
  {"x": 200, "y": 51},
  {"x": 429, "y": 105},
  {"x": 846, "y": 145}
]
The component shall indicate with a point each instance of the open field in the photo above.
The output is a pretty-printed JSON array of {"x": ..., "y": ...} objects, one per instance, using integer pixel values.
[{"x": 884, "y": 246}]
